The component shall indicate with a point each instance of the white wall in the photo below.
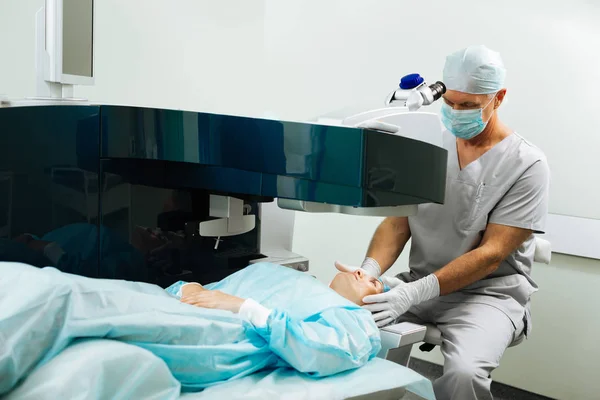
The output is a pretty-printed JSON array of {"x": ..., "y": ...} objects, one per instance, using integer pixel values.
[
  {"x": 300, "y": 59},
  {"x": 195, "y": 55}
]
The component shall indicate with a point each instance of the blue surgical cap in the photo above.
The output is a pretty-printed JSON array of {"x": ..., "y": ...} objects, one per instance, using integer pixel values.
[{"x": 475, "y": 70}]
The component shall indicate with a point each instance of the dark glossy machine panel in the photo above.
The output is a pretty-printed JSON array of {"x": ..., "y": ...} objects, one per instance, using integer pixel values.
[
  {"x": 302, "y": 161},
  {"x": 313, "y": 152},
  {"x": 412, "y": 173},
  {"x": 49, "y": 187},
  {"x": 160, "y": 228},
  {"x": 118, "y": 192},
  {"x": 62, "y": 206}
]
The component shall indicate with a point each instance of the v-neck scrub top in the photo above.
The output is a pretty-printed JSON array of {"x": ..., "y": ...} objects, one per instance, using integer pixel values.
[{"x": 507, "y": 185}]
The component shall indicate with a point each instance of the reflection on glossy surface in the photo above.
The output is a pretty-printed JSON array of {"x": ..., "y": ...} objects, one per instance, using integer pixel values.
[
  {"x": 249, "y": 144},
  {"x": 58, "y": 209},
  {"x": 40, "y": 153},
  {"x": 329, "y": 164},
  {"x": 75, "y": 248}
]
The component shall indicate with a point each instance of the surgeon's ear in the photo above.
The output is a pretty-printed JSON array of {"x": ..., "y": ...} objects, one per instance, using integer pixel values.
[{"x": 499, "y": 98}]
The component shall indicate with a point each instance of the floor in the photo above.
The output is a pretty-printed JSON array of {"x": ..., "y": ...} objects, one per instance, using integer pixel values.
[{"x": 500, "y": 391}]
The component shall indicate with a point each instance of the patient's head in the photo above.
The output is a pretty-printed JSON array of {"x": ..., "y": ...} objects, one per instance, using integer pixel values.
[{"x": 356, "y": 285}]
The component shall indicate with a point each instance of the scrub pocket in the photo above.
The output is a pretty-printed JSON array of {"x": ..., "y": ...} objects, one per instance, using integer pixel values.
[{"x": 471, "y": 203}]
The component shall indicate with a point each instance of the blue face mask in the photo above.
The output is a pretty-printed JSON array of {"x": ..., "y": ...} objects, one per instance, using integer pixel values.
[{"x": 464, "y": 124}]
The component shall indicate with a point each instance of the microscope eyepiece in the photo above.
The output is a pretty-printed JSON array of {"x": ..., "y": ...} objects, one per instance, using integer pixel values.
[{"x": 437, "y": 90}]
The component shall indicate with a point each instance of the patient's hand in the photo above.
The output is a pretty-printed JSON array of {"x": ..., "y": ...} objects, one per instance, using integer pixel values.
[
  {"x": 191, "y": 288},
  {"x": 213, "y": 299}
]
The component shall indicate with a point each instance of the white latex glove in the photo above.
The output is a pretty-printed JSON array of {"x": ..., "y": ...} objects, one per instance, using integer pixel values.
[
  {"x": 392, "y": 281},
  {"x": 370, "y": 267},
  {"x": 387, "y": 307}
]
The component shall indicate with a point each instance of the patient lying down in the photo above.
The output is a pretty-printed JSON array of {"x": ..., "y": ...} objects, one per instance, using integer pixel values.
[
  {"x": 353, "y": 286},
  {"x": 262, "y": 317}
]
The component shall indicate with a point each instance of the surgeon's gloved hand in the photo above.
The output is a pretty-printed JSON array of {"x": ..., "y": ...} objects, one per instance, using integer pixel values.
[
  {"x": 387, "y": 307},
  {"x": 370, "y": 266},
  {"x": 391, "y": 281}
]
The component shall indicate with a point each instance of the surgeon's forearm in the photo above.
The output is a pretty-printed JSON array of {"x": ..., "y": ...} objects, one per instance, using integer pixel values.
[
  {"x": 467, "y": 269},
  {"x": 497, "y": 243},
  {"x": 389, "y": 241}
]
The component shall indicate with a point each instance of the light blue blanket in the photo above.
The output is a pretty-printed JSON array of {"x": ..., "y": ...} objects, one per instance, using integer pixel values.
[
  {"x": 312, "y": 329},
  {"x": 100, "y": 369}
]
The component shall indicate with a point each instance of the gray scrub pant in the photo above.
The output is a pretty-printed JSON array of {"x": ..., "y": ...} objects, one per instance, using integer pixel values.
[{"x": 474, "y": 338}]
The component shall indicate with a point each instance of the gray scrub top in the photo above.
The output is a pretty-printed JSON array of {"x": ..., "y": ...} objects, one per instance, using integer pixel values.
[{"x": 507, "y": 185}]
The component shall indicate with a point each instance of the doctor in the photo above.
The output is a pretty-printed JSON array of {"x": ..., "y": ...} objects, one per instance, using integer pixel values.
[{"x": 471, "y": 258}]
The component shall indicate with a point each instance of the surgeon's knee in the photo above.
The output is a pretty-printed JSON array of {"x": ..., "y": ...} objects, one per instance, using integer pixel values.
[{"x": 466, "y": 373}]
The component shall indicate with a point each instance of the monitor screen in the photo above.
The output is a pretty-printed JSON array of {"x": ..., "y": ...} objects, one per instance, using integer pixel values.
[{"x": 77, "y": 49}]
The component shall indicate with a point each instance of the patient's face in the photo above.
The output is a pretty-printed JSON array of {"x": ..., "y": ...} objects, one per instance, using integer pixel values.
[{"x": 356, "y": 285}]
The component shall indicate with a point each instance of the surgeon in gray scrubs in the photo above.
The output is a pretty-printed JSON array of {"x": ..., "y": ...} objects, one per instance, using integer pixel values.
[{"x": 470, "y": 258}]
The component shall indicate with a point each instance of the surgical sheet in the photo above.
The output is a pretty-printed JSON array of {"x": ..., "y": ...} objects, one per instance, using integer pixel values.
[
  {"x": 311, "y": 328},
  {"x": 99, "y": 369}
]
